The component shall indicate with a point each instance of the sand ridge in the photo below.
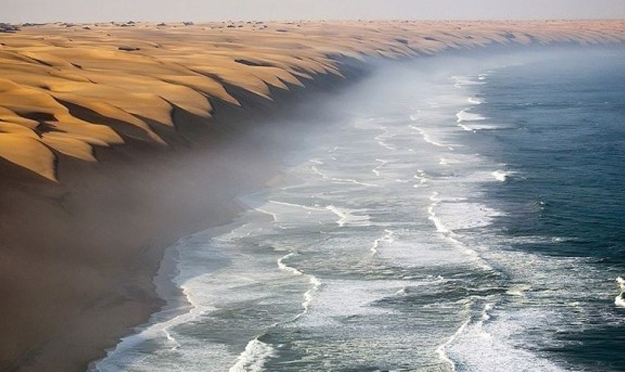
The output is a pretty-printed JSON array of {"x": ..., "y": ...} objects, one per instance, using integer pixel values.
[{"x": 136, "y": 73}]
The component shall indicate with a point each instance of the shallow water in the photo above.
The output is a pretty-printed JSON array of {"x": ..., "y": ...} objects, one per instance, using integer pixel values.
[{"x": 459, "y": 214}]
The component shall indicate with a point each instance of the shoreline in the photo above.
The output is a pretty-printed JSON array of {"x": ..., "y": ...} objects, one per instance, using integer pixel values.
[
  {"x": 167, "y": 290},
  {"x": 162, "y": 195},
  {"x": 175, "y": 303},
  {"x": 131, "y": 302}
]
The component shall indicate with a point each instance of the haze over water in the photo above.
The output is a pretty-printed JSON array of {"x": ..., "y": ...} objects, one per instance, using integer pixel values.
[{"x": 457, "y": 214}]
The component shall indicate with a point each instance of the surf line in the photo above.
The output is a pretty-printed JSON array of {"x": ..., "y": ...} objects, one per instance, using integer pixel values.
[
  {"x": 426, "y": 137},
  {"x": 346, "y": 217},
  {"x": 385, "y": 135},
  {"x": 340, "y": 180},
  {"x": 441, "y": 350},
  {"x": 257, "y": 352},
  {"x": 451, "y": 236},
  {"x": 308, "y": 295},
  {"x": 386, "y": 238},
  {"x": 466, "y": 116},
  {"x": 376, "y": 170},
  {"x": 254, "y": 356},
  {"x": 620, "y": 299}
]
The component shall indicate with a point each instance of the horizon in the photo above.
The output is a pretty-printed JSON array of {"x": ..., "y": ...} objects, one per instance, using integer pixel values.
[
  {"x": 206, "y": 22},
  {"x": 76, "y": 11}
]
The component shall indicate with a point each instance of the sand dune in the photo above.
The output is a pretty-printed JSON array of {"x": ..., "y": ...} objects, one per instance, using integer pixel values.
[
  {"x": 101, "y": 131},
  {"x": 133, "y": 72}
]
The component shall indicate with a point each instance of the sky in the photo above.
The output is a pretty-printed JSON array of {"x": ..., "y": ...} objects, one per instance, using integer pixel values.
[{"x": 20, "y": 11}]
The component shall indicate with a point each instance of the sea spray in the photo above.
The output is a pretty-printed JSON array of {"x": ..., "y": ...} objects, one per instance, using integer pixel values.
[{"x": 620, "y": 299}]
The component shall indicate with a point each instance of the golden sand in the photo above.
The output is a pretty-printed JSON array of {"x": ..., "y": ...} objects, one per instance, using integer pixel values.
[{"x": 135, "y": 74}]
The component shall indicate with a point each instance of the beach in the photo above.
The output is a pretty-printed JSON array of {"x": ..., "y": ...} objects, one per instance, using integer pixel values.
[{"x": 118, "y": 139}]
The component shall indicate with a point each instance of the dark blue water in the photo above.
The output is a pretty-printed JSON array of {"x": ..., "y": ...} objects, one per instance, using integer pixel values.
[{"x": 565, "y": 139}]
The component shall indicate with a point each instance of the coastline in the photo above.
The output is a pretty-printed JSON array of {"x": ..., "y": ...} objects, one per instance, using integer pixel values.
[
  {"x": 165, "y": 195},
  {"x": 108, "y": 289}
]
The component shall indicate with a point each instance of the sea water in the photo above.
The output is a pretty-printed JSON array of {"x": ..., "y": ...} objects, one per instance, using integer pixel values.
[{"x": 460, "y": 214}]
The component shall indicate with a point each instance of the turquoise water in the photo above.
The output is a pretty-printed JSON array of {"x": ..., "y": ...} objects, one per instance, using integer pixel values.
[{"x": 455, "y": 214}]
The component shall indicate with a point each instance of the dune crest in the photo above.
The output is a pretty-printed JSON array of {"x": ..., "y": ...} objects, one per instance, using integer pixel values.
[{"x": 135, "y": 74}]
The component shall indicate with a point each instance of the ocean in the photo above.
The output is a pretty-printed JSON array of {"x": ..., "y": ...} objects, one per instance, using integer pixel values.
[{"x": 459, "y": 213}]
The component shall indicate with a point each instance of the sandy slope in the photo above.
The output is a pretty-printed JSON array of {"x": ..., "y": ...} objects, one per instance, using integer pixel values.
[{"x": 101, "y": 131}]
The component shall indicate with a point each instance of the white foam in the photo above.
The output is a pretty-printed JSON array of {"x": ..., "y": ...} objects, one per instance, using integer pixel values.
[
  {"x": 376, "y": 170},
  {"x": 501, "y": 176},
  {"x": 386, "y": 145},
  {"x": 254, "y": 357},
  {"x": 285, "y": 214},
  {"x": 459, "y": 159},
  {"x": 441, "y": 350},
  {"x": 274, "y": 216},
  {"x": 485, "y": 314},
  {"x": 432, "y": 281},
  {"x": 286, "y": 268},
  {"x": 341, "y": 180},
  {"x": 426, "y": 137},
  {"x": 320, "y": 173},
  {"x": 466, "y": 116},
  {"x": 348, "y": 298},
  {"x": 466, "y": 128},
  {"x": 463, "y": 215},
  {"x": 463, "y": 81},
  {"x": 534, "y": 239},
  {"x": 422, "y": 177},
  {"x": 477, "y": 127},
  {"x": 381, "y": 139},
  {"x": 454, "y": 214},
  {"x": 386, "y": 238},
  {"x": 305, "y": 207},
  {"x": 620, "y": 299},
  {"x": 313, "y": 280},
  {"x": 347, "y": 217},
  {"x": 401, "y": 291},
  {"x": 440, "y": 227},
  {"x": 486, "y": 346},
  {"x": 474, "y": 101},
  {"x": 243, "y": 231},
  {"x": 468, "y": 121},
  {"x": 518, "y": 290},
  {"x": 309, "y": 295}
]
